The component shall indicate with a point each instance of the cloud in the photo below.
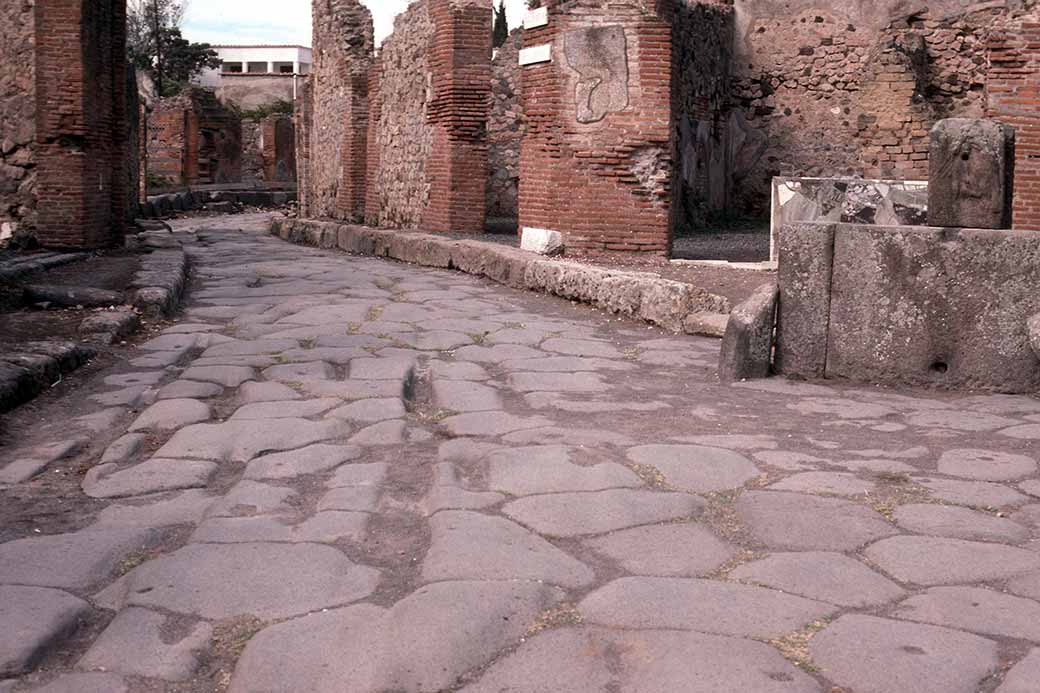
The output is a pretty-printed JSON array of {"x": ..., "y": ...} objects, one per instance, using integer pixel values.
[{"x": 285, "y": 21}]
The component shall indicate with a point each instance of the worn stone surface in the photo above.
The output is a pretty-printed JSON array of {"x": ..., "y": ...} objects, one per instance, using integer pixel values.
[
  {"x": 941, "y": 561},
  {"x": 829, "y": 577},
  {"x": 959, "y": 523},
  {"x": 650, "y": 550},
  {"x": 971, "y": 174},
  {"x": 975, "y": 609},
  {"x": 575, "y": 514},
  {"x": 34, "y": 618},
  {"x": 1023, "y": 676},
  {"x": 784, "y": 520},
  {"x": 695, "y": 468},
  {"x": 803, "y": 320},
  {"x": 69, "y": 561},
  {"x": 154, "y": 476},
  {"x": 747, "y": 346},
  {"x": 133, "y": 644}
]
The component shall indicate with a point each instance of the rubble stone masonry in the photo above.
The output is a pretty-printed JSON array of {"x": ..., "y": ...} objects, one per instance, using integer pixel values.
[
  {"x": 505, "y": 130},
  {"x": 17, "y": 118},
  {"x": 193, "y": 139},
  {"x": 269, "y": 150}
]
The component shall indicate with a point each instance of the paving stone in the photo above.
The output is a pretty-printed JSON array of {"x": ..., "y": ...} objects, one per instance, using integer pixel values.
[
  {"x": 135, "y": 397},
  {"x": 565, "y": 364},
  {"x": 190, "y": 389},
  {"x": 228, "y": 376},
  {"x": 732, "y": 441},
  {"x": 39, "y": 458},
  {"x": 834, "y": 483},
  {"x": 675, "y": 550},
  {"x": 577, "y": 437},
  {"x": 576, "y": 514},
  {"x": 133, "y": 379},
  {"x": 594, "y": 660},
  {"x": 1032, "y": 487},
  {"x": 253, "y": 391},
  {"x": 369, "y": 474},
  {"x": 301, "y": 409},
  {"x": 828, "y": 577},
  {"x": 548, "y": 469},
  {"x": 1026, "y": 432},
  {"x": 973, "y": 608},
  {"x": 472, "y": 546},
  {"x": 491, "y": 423},
  {"x": 1023, "y": 676},
  {"x": 986, "y": 465},
  {"x": 171, "y": 414},
  {"x": 156, "y": 511},
  {"x": 322, "y": 527},
  {"x": 558, "y": 382},
  {"x": 383, "y": 433},
  {"x": 958, "y": 523},
  {"x": 382, "y": 368},
  {"x": 877, "y": 466},
  {"x": 425, "y": 642},
  {"x": 795, "y": 521},
  {"x": 353, "y": 389},
  {"x": 876, "y": 655},
  {"x": 463, "y": 396},
  {"x": 34, "y": 618},
  {"x": 247, "y": 498},
  {"x": 497, "y": 353},
  {"x": 942, "y": 561},
  {"x": 351, "y": 498},
  {"x": 241, "y": 441},
  {"x": 443, "y": 370},
  {"x": 154, "y": 476},
  {"x": 133, "y": 644},
  {"x": 696, "y": 468},
  {"x": 841, "y": 408},
  {"x": 979, "y": 494},
  {"x": 972, "y": 421},
  {"x": 706, "y": 606},
  {"x": 85, "y": 683},
  {"x": 582, "y": 347},
  {"x": 72, "y": 561},
  {"x": 368, "y": 410},
  {"x": 312, "y": 459},
  {"x": 170, "y": 342},
  {"x": 269, "y": 581}
]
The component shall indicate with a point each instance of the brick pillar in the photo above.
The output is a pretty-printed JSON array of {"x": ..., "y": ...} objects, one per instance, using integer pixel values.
[
  {"x": 350, "y": 195},
  {"x": 1014, "y": 98},
  {"x": 595, "y": 163},
  {"x": 375, "y": 109},
  {"x": 81, "y": 122},
  {"x": 303, "y": 118},
  {"x": 192, "y": 147},
  {"x": 460, "y": 63}
]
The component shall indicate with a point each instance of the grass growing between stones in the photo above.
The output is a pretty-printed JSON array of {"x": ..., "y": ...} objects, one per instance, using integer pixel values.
[
  {"x": 565, "y": 614},
  {"x": 795, "y": 646}
]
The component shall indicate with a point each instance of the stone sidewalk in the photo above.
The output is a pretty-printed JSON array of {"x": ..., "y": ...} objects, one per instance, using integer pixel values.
[{"x": 345, "y": 474}]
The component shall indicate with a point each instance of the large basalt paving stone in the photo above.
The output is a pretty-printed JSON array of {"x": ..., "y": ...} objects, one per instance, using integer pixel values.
[
  {"x": 134, "y": 644},
  {"x": 424, "y": 643},
  {"x": 299, "y": 372},
  {"x": 34, "y": 618},
  {"x": 986, "y": 465},
  {"x": 301, "y": 409},
  {"x": 382, "y": 368},
  {"x": 558, "y": 435},
  {"x": 696, "y": 468},
  {"x": 250, "y": 498},
  {"x": 576, "y": 514},
  {"x": 189, "y": 389},
  {"x": 558, "y": 382},
  {"x": 975, "y": 609},
  {"x": 269, "y": 581},
  {"x": 941, "y": 561},
  {"x": 312, "y": 459},
  {"x": 706, "y": 606},
  {"x": 595, "y": 660},
  {"x": 156, "y": 511},
  {"x": 70, "y": 561},
  {"x": 548, "y": 469},
  {"x": 1023, "y": 676},
  {"x": 252, "y": 392},
  {"x": 371, "y": 410},
  {"x": 958, "y": 523},
  {"x": 565, "y": 364},
  {"x": 154, "y": 476},
  {"x": 491, "y": 423},
  {"x": 799, "y": 522},
  {"x": 85, "y": 683},
  {"x": 978, "y": 494},
  {"x": 241, "y": 441},
  {"x": 382, "y": 433},
  {"x": 323, "y": 528},
  {"x": 464, "y": 396},
  {"x": 832, "y": 483},
  {"x": 876, "y": 655},
  {"x": 828, "y": 577},
  {"x": 228, "y": 376},
  {"x": 680, "y": 550},
  {"x": 582, "y": 347},
  {"x": 472, "y": 546}
]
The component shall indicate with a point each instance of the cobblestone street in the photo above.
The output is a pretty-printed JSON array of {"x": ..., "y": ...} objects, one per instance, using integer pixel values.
[{"x": 344, "y": 474}]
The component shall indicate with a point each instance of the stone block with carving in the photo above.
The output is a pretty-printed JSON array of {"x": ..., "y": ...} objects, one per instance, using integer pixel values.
[
  {"x": 600, "y": 56},
  {"x": 971, "y": 174}
]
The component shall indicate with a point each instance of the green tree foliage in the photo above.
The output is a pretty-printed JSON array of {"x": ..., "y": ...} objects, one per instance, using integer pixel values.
[
  {"x": 501, "y": 31},
  {"x": 155, "y": 44}
]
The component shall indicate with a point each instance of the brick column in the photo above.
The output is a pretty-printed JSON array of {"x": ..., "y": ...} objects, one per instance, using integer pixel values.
[
  {"x": 303, "y": 116},
  {"x": 596, "y": 160},
  {"x": 350, "y": 195},
  {"x": 460, "y": 63},
  {"x": 375, "y": 109},
  {"x": 81, "y": 122}
]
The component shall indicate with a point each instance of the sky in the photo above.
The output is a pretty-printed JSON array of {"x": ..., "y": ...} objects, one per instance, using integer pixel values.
[{"x": 285, "y": 21}]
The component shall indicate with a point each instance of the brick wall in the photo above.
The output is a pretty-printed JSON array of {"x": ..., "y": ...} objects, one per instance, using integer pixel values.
[
  {"x": 343, "y": 49},
  {"x": 605, "y": 182},
  {"x": 252, "y": 151},
  {"x": 81, "y": 128},
  {"x": 303, "y": 118},
  {"x": 1013, "y": 90},
  {"x": 505, "y": 130},
  {"x": 193, "y": 139},
  {"x": 17, "y": 119},
  {"x": 372, "y": 149}
]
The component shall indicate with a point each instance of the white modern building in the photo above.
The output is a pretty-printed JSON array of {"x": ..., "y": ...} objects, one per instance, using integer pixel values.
[{"x": 251, "y": 76}]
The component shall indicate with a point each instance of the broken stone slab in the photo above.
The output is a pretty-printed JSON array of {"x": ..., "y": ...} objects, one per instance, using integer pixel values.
[
  {"x": 971, "y": 164},
  {"x": 541, "y": 241},
  {"x": 154, "y": 476},
  {"x": 134, "y": 644},
  {"x": 706, "y": 324},
  {"x": 171, "y": 414},
  {"x": 34, "y": 461},
  {"x": 108, "y": 327},
  {"x": 71, "y": 296},
  {"x": 747, "y": 346},
  {"x": 34, "y": 618}
]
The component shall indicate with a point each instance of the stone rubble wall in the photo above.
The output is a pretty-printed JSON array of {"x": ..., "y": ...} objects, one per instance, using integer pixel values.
[
  {"x": 269, "y": 150},
  {"x": 252, "y": 152},
  {"x": 17, "y": 119},
  {"x": 303, "y": 120},
  {"x": 193, "y": 139},
  {"x": 505, "y": 130}
]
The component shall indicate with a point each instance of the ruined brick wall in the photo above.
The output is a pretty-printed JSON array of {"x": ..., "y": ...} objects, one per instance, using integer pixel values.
[
  {"x": 252, "y": 151},
  {"x": 372, "y": 150},
  {"x": 1013, "y": 90},
  {"x": 17, "y": 119},
  {"x": 167, "y": 132},
  {"x": 81, "y": 130},
  {"x": 278, "y": 136},
  {"x": 303, "y": 118},
  {"x": 596, "y": 161},
  {"x": 343, "y": 50},
  {"x": 505, "y": 130},
  {"x": 136, "y": 124},
  {"x": 193, "y": 139}
]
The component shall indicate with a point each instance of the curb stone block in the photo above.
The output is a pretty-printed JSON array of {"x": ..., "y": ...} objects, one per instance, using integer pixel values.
[{"x": 747, "y": 346}]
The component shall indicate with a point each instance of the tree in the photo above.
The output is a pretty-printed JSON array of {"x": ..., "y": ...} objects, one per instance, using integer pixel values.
[
  {"x": 501, "y": 31},
  {"x": 155, "y": 44}
]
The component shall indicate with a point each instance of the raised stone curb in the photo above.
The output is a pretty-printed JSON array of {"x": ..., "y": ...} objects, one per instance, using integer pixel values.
[
  {"x": 157, "y": 287},
  {"x": 747, "y": 346},
  {"x": 36, "y": 366},
  {"x": 108, "y": 327},
  {"x": 669, "y": 304},
  {"x": 20, "y": 267}
]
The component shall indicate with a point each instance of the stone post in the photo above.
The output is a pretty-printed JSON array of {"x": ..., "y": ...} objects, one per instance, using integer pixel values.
[{"x": 971, "y": 174}]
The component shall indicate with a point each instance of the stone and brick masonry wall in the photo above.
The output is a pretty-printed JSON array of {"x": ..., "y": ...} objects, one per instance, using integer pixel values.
[
  {"x": 195, "y": 140},
  {"x": 505, "y": 130},
  {"x": 269, "y": 150},
  {"x": 17, "y": 119}
]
